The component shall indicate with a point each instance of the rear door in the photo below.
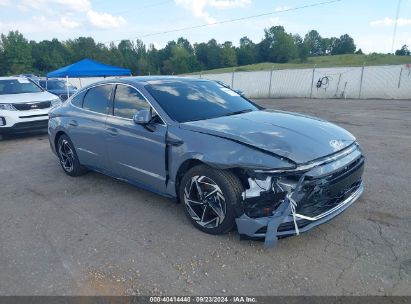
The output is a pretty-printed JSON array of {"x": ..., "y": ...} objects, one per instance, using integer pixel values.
[
  {"x": 87, "y": 126},
  {"x": 135, "y": 152}
]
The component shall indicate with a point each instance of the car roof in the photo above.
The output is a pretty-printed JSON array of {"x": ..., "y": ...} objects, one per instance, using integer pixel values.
[{"x": 144, "y": 80}]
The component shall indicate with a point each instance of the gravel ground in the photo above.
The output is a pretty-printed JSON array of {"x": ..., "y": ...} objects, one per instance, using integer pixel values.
[{"x": 94, "y": 235}]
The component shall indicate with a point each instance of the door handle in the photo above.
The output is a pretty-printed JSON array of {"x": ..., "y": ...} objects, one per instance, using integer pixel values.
[
  {"x": 73, "y": 123},
  {"x": 112, "y": 131},
  {"x": 174, "y": 142}
]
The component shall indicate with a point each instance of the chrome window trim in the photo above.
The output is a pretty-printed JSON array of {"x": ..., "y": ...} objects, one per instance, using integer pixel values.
[
  {"x": 145, "y": 98},
  {"x": 114, "y": 84},
  {"x": 86, "y": 89}
]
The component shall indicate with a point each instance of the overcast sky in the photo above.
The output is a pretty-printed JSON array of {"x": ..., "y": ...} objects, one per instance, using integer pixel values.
[{"x": 370, "y": 23}]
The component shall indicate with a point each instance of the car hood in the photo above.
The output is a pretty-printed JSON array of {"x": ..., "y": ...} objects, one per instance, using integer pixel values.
[
  {"x": 297, "y": 137},
  {"x": 27, "y": 97}
]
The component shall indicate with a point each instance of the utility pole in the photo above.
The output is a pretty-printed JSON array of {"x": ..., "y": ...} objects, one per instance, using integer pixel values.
[
  {"x": 395, "y": 26},
  {"x": 312, "y": 82},
  {"x": 271, "y": 77},
  {"x": 361, "y": 80}
]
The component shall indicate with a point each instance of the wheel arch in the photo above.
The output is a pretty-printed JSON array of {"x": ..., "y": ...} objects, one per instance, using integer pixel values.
[
  {"x": 193, "y": 162},
  {"x": 57, "y": 137},
  {"x": 184, "y": 167}
]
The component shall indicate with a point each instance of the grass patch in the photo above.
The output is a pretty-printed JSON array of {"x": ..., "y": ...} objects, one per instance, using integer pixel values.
[{"x": 350, "y": 60}]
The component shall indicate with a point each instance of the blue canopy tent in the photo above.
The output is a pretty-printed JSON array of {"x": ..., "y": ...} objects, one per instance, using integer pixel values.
[{"x": 88, "y": 68}]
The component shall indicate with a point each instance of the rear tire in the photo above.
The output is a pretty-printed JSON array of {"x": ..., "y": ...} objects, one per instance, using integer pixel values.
[
  {"x": 68, "y": 157},
  {"x": 210, "y": 198}
]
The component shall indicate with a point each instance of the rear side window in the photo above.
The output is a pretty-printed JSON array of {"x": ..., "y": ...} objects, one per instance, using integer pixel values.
[
  {"x": 98, "y": 99},
  {"x": 127, "y": 101},
  {"x": 78, "y": 99}
]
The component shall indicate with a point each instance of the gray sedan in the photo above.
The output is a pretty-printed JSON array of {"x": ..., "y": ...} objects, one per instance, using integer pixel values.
[{"x": 228, "y": 161}]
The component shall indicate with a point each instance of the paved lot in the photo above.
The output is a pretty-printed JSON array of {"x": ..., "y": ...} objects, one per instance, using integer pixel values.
[{"x": 95, "y": 235}]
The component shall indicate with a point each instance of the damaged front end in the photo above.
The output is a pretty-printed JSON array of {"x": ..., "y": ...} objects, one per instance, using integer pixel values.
[{"x": 280, "y": 203}]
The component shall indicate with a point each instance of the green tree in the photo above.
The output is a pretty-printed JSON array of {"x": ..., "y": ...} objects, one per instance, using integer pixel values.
[
  {"x": 185, "y": 44},
  {"x": 277, "y": 46},
  {"x": 314, "y": 43},
  {"x": 302, "y": 48},
  {"x": 129, "y": 55},
  {"x": 16, "y": 53},
  {"x": 228, "y": 55},
  {"x": 103, "y": 53},
  {"x": 359, "y": 52},
  {"x": 165, "y": 54},
  {"x": 328, "y": 45},
  {"x": 213, "y": 55},
  {"x": 3, "y": 68},
  {"x": 247, "y": 52},
  {"x": 115, "y": 56},
  {"x": 404, "y": 51},
  {"x": 49, "y": 55},
  {"x": 153, "y": 58},
  {"x": 82, "y": 47},
  {"x": 343, "y": 45},
  {"x": 200, "y": 51},
  {"x": 180, "y": 62}
]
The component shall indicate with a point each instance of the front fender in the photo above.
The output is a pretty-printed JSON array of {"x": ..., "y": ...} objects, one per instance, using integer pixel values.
[{"x": 217, "y": 152}]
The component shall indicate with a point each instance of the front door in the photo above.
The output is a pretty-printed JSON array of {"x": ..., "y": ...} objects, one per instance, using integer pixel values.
[{"x": 135, "y": 152}]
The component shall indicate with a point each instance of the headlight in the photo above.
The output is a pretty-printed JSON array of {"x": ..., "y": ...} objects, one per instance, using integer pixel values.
[
  {"x": 7, "y": 106},
  {"x": 265, "y": 194},
  {"x": 55, "y": 102},
  {"x": 283, "y": 184}
]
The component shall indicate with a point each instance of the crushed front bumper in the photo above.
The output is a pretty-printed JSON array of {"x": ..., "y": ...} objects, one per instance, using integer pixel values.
[
  {"x": 323, "y": 192},
  {"x": 270, "y": 228}
]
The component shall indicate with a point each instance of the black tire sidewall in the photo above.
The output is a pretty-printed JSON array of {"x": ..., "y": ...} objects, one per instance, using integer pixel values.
[{"x": 231, "y": 198}]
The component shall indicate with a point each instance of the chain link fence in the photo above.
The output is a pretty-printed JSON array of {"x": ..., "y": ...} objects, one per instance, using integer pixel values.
[{"x": 367, "y": 82}]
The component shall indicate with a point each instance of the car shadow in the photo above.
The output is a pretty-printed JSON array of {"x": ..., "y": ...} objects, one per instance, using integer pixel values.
[{"x": 26, "y": 135}]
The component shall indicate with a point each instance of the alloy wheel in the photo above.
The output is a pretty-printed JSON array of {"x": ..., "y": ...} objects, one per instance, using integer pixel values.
[
  {"x": 66, "y": 155},
  {"x": 205, "y": 201}
]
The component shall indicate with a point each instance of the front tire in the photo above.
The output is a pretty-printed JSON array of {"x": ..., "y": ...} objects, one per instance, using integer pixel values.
[
  {"x": 210, "y": 198},
  {"x": 68, "y": 157}
]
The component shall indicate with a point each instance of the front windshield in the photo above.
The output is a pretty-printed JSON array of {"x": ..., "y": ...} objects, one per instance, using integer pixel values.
[
  {"x": 18, "y": 86},
  {"x": 196, "y": 100}
]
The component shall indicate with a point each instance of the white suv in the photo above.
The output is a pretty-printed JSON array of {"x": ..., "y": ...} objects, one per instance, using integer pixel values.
[{"x": 24, "y": 106}]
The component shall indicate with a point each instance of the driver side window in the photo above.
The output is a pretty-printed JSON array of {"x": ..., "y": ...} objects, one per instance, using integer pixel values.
[{"x": 127, "y": 101}]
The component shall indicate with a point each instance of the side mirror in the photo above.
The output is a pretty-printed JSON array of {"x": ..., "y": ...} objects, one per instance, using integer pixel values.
[{"x": 142, "y": 117}]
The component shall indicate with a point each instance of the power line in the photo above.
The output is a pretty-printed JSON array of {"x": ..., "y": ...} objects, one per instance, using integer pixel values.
[
  {"x": 395, "y": 25},
  {"x": 232, "y": 20}
]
